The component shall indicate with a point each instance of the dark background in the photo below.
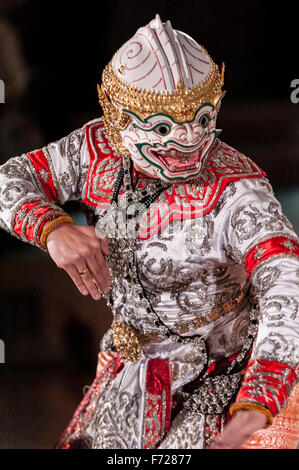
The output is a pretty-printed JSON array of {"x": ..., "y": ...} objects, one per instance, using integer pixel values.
[{"x": 51, "y": 58}]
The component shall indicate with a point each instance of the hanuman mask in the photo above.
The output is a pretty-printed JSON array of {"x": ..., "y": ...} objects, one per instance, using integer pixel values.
[{"x": 160, "y": 96}]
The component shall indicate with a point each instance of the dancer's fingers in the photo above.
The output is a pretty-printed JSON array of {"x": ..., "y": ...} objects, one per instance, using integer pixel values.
[
  {"x": 76, "y": 278},
  {"x": 87, "y": 276}
]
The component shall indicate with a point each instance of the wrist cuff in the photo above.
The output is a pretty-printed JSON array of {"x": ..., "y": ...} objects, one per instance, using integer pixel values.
[
  {"x": 51, "y": 225},
  {"x": 251, "y": 406}
]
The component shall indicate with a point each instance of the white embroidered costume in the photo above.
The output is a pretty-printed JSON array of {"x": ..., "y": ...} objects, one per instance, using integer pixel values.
[{"x": 205, "y": 296}]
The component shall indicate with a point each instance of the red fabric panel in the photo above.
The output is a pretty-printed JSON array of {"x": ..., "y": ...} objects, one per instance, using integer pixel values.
[
  {"x": 267, "y": 383},
  {"x": 158, "y": 401},
  {"x": 40, "y": 162},
  {"x": 268, "y": 248}
]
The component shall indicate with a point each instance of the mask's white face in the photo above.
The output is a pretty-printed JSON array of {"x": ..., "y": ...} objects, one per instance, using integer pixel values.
[{"x": 172, "y": 151}]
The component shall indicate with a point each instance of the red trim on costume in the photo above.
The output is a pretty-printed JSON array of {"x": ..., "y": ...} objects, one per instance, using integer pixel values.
[
  {"x": 220, "y": 366},
  {"x": 99, "y": 151},
  {"x": 268, "y": 248},
  {"x": 37, "y": 212},
  {"x": 28, "y": 231},
  {"x": 158, "y": 402},
  {"x": 40, "y": 163},
  {"x": 267, "y": 383},
  {"x": 23, "y": 211},
  {"x": 104, "y": 357},
  {"x": 86, "y": 407},
  {"x": 223, "y": 165}
]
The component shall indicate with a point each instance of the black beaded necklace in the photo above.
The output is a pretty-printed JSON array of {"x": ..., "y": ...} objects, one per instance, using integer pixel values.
[{"x": 125, "y": 175}]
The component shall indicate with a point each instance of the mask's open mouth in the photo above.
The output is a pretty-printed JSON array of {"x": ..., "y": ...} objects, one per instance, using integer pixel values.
[{"x": 177, "y": 161}]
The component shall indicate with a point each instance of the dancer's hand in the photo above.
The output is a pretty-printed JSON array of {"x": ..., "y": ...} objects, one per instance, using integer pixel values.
[
  {"x": 239, "y": 430},
  {"x": 77, "y": 249}
]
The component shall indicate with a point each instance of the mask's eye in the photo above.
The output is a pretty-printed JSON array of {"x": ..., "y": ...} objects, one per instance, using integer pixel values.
[
  {"x": 162, "y": 129},
  {"x": 204, "y": 120}
]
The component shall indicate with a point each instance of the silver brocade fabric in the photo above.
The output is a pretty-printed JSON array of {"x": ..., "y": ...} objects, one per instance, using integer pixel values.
[{"x": 187, "y": 274}]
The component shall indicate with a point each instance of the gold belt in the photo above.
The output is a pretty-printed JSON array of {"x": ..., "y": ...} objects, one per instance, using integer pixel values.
[{"x": 128, "y": 341}]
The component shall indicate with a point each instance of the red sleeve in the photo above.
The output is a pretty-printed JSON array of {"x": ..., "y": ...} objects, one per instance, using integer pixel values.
[{"x": 32, "y": 216}]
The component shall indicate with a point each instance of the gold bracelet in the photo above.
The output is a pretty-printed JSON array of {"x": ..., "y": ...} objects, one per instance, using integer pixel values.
[
  {"x": 52, "y": 224},
  {"x": 251, "y": 406}
]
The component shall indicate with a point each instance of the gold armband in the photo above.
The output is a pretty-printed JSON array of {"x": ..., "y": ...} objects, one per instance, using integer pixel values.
[
  {"x": 251, "y": 406},
  {"x": 51, "y": 225}
]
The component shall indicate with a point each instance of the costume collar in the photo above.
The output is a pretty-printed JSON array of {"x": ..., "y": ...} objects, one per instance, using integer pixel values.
[{"x": 191, "y": 199}]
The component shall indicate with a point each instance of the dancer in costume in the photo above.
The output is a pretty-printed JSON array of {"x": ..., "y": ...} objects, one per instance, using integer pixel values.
[{"x": 188, "y": 245}]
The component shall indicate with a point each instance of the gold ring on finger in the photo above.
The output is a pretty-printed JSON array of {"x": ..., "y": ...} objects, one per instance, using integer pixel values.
[{"x": 86, "y": 270}]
